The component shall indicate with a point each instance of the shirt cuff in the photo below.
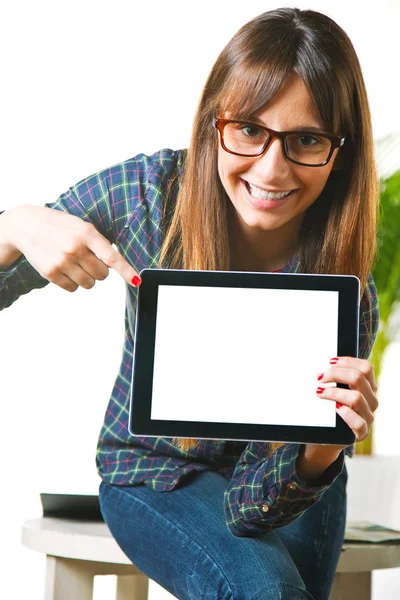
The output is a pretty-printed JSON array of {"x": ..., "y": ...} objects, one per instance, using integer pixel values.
[{"x": 287, "y": 486}]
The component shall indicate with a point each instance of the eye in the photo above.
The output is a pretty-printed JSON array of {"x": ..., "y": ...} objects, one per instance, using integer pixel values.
[
  {"x": 249, "y": 130},
  {"x": 307, "y": 140}
]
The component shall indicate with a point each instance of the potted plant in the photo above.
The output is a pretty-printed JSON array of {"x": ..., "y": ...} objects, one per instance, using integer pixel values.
[{"x": 386, "y": 271}]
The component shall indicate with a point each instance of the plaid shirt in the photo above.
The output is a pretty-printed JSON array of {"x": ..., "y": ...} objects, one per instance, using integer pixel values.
[{"x": 125, "y": 204}]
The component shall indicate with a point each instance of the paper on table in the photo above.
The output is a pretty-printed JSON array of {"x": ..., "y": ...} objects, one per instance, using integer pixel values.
[{"x": 364, "y": 531}]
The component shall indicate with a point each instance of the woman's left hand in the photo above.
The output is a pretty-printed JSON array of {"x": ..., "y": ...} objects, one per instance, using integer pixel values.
[{"x": 357, "y": 404}]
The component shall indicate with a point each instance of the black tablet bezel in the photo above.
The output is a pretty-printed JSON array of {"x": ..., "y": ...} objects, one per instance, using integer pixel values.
[{"x": 140, "y": 422}]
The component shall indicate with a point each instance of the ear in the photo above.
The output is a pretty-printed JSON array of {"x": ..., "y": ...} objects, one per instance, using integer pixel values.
[{"x": 338, "y": 162}]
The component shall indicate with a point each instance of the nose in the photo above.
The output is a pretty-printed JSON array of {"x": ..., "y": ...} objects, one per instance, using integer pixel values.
[{"x": 273, "y": 164}]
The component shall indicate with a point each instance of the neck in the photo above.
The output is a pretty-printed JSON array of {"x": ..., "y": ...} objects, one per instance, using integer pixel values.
[{"x": 260, "y": 250}]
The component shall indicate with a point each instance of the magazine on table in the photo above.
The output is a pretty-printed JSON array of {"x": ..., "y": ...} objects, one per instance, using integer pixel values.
[{"x": 365, "y": 531}]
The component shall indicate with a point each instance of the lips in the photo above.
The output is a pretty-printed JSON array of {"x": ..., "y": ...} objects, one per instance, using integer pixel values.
[
  {"x": 264, "y": 200},
  {"x": 261, "y": 194}
]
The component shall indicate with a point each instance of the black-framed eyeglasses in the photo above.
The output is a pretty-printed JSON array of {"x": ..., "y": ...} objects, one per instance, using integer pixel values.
[{"x": 307, "y": 148}]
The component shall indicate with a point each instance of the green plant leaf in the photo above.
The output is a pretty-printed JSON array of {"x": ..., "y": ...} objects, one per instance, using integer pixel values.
[{"x": 386, "y": 274}]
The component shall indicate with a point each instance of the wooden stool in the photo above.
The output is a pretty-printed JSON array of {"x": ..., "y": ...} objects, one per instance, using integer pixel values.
[
  {"x": 354, "y": 571},
  {"x": 78, "y": 550}
]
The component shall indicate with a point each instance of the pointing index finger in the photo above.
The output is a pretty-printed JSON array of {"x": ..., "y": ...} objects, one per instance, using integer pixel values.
[{"x": 113, "y": 259}]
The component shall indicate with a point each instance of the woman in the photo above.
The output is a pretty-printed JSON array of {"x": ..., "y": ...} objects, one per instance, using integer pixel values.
[{"x": 279, "y": 176}]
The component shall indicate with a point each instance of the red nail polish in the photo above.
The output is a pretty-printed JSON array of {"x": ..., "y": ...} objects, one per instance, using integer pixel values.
[
  {"x": 136, "y": 280},
  {"x": 320, "y": 376},
  {"x": 320, "y": 390},
  {"x": 333, "y": 361},
  {"x": 338, "y": 405}
]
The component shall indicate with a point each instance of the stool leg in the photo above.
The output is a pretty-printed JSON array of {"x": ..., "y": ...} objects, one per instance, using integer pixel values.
[
  {"x": 132, "y": 587},
  {"x": 67, "y": 579},
  {"x": 348, "y": 586}
]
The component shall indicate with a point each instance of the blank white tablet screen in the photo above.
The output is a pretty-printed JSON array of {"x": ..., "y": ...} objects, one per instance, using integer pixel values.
[{"x": 243, "y": 355}]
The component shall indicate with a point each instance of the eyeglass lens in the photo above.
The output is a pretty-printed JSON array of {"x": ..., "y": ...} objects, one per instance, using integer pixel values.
[{"x": 307, "y": 147}]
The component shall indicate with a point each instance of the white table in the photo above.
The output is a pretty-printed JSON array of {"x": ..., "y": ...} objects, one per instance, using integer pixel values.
[{"x": 78, "y": 550}]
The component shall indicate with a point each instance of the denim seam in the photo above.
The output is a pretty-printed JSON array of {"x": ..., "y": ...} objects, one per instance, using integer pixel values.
[{"x": 205, "y": 553}]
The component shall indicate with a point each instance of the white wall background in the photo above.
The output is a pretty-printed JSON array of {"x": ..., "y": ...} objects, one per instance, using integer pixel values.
[{"x": 85, "y": 85}]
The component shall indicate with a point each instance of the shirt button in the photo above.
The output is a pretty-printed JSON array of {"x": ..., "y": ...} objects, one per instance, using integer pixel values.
[
  {"x": 292, "y": 486},
  {"x": 264, "y": 508}
]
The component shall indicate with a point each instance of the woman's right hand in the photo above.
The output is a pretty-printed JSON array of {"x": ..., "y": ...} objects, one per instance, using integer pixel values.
[{"x": 63, "y": 248}]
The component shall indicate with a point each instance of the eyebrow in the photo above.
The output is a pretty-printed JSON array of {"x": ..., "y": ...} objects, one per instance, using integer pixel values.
[{"x": 258, "y": 121}]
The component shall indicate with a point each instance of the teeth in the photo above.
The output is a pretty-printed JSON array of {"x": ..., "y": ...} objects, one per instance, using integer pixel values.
[{"x": 263, "y": 195}]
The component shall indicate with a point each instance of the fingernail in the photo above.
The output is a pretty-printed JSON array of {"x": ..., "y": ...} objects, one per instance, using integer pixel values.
[
  {"x": 320, "y": 390},
  {"x": 333, "y": 361},
  {"x": 136, "y": 280},
  {"x": 320, "y": 376},
  {"x": 338, "y": 405}
]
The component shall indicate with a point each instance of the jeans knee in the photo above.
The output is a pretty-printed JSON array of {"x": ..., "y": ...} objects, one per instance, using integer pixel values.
[
  {"x": 228, "y": 590},
  {"x": 274, "y": 591},
  {"x": 239, "y": 585},
  {"x": 284, "y": 591}
]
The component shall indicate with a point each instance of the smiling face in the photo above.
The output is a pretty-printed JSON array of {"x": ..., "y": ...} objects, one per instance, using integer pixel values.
[{"x": 269, "y": 193}]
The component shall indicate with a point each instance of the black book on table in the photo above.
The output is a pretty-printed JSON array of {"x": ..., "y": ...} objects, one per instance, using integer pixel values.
[{"x": 71, "y": 506}]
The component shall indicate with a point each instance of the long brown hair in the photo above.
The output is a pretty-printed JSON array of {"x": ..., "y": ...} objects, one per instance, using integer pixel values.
[{"x": 338, "y": 233}]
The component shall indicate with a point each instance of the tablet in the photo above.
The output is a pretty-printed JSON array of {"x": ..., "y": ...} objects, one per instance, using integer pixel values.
[{"x": 235, "y": 355}]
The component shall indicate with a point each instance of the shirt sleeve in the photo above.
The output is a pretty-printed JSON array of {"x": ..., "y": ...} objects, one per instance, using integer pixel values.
[
  {"x": 87, "y": 200},
  {"x": 107, "y": 200},
  {"x": 265, "y": 492}
]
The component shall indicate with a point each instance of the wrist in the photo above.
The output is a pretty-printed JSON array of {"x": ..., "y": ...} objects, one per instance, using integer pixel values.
[
  {"x": 314, "y": 459},
  {"x": 9, "y": 251}
]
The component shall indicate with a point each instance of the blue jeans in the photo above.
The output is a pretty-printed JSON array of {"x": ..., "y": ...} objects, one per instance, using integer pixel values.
[{"x": 180, "y": 540}]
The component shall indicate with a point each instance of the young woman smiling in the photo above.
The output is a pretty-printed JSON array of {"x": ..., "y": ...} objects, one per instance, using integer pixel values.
[{"x": 279, "y": 175}]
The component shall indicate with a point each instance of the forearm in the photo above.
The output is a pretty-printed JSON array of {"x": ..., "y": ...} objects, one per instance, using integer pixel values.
[
  {"x": 17, "y": 277},
  {"x": 9, "y": 253},
  {"x": 313, "y": 460},
  {"x": 266, "y": 493}
]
